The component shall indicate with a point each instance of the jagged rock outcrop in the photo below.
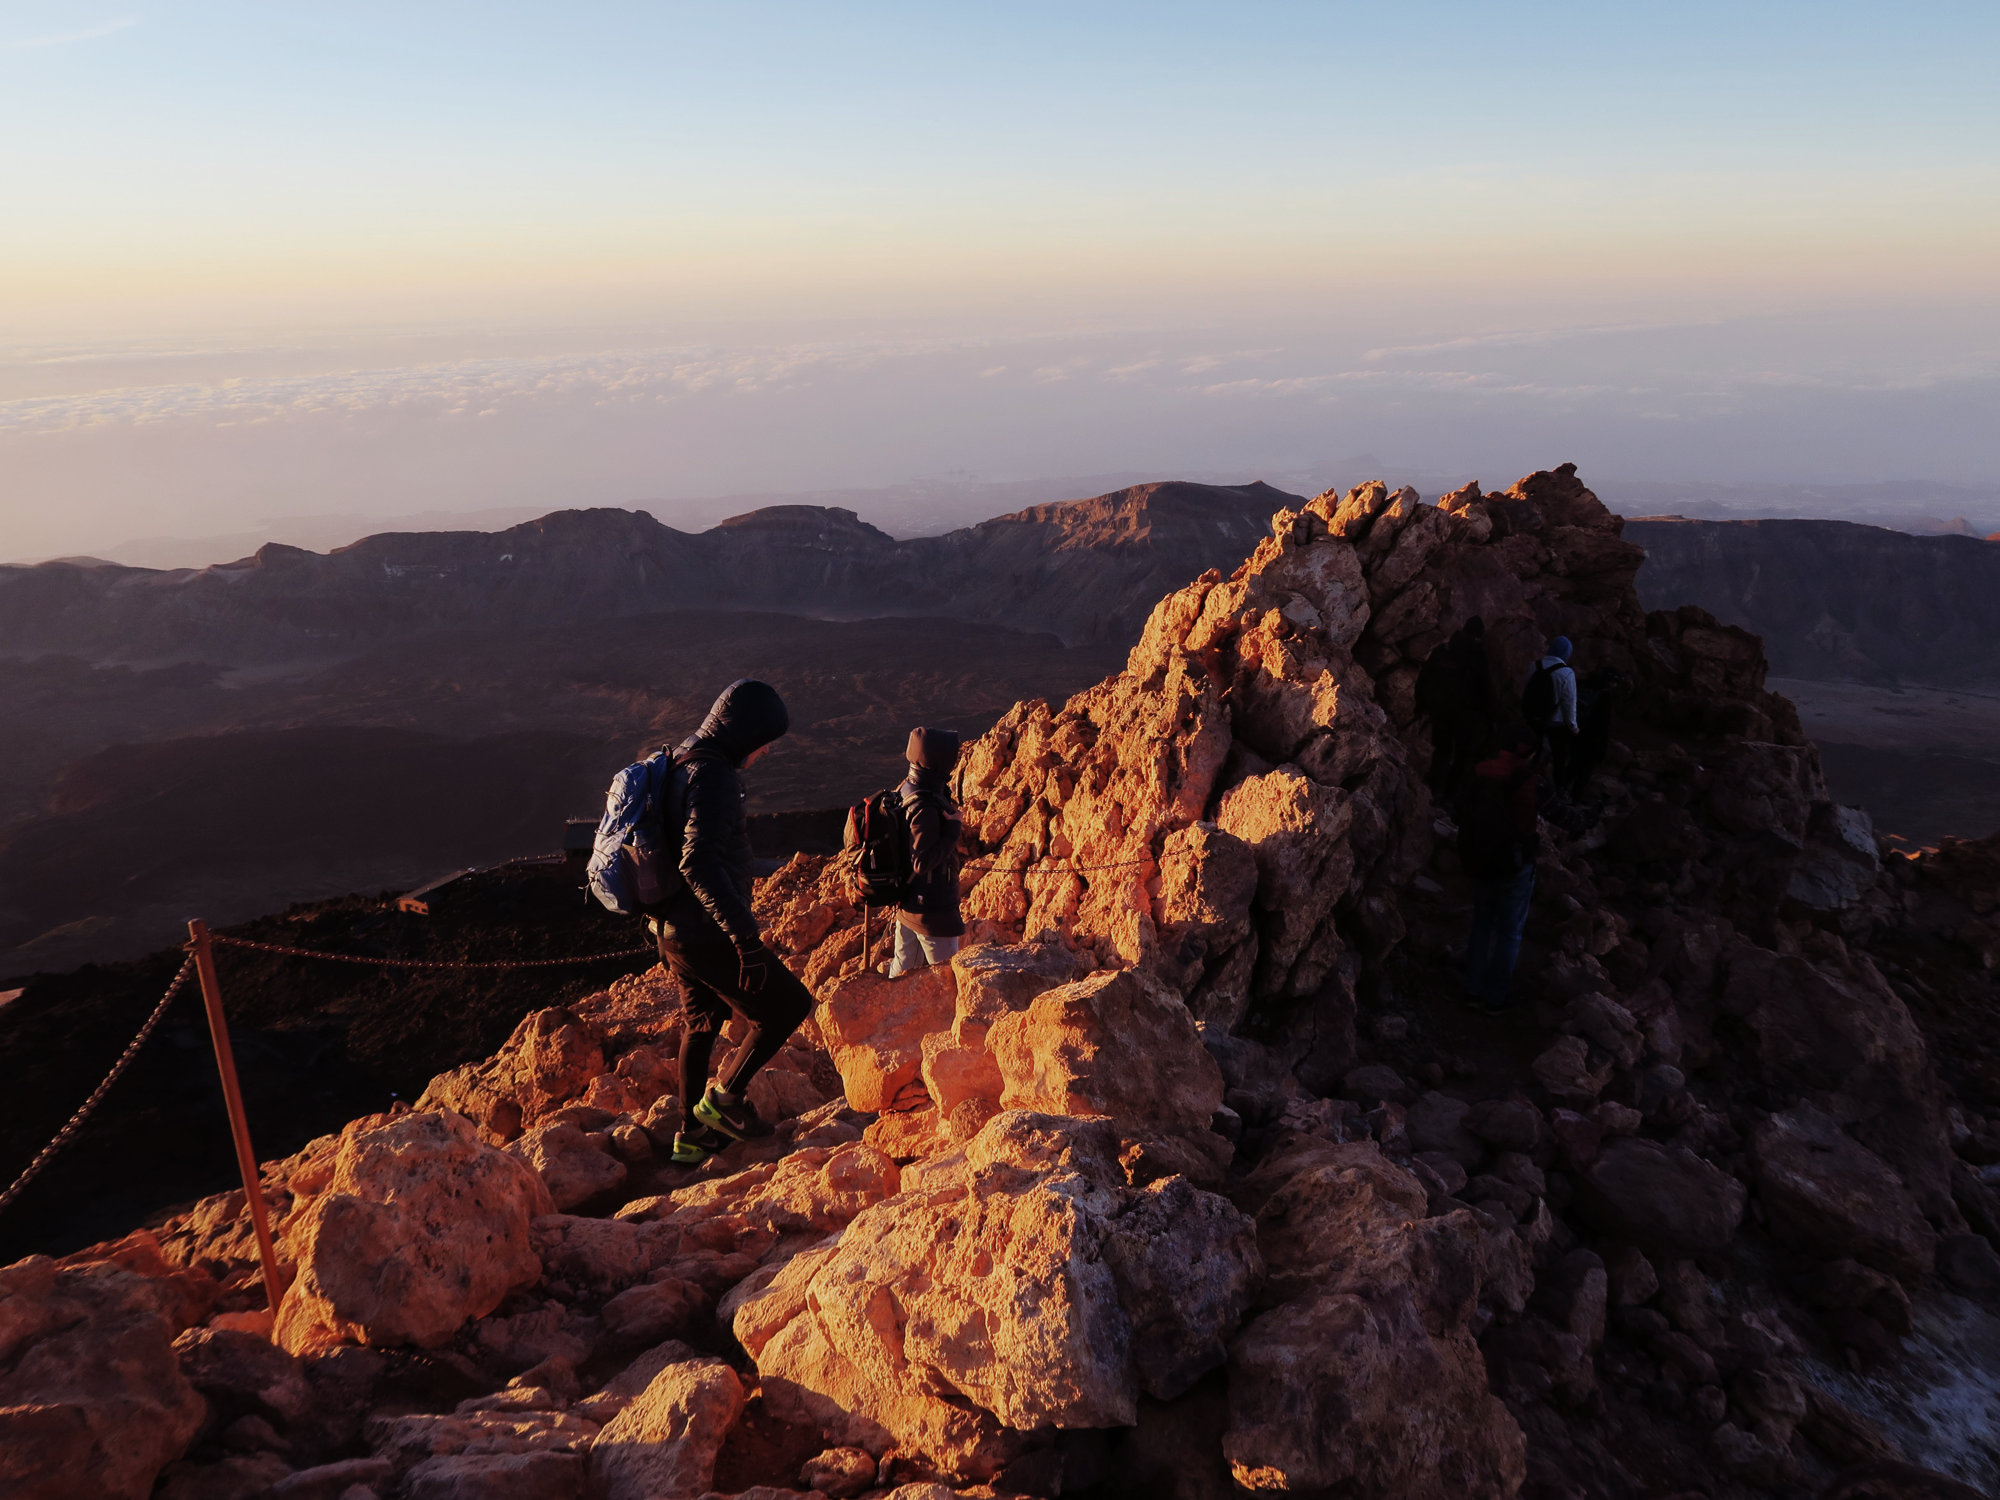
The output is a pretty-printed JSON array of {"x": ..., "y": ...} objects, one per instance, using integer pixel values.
[
  {"x": 1240, "y": 815},
  {"x": 1261, "y": 714}
]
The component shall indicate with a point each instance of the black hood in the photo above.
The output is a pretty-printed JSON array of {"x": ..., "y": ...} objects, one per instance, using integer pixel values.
[
  {"x": 934, "y": 750},
  {"x": 748, "y": 714}
]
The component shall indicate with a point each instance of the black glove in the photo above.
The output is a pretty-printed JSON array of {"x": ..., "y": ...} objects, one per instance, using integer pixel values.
[{"x": 753, "y": 968}]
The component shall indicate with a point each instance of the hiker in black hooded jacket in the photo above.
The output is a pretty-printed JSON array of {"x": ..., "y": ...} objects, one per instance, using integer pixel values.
[
  {"x": 708, "y": 933},
  {"x": 929, "y": 925},
  {"x": 1455, "y": 692}
]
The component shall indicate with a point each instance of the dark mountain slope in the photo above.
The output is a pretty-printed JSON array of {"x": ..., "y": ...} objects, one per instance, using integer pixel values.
[
  {"x": 1833, "y": 599},
  {"x": 457, "y": 748}
]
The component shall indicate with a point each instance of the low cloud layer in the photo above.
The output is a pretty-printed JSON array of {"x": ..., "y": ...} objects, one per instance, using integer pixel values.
[{"x": 146, "y": 453}]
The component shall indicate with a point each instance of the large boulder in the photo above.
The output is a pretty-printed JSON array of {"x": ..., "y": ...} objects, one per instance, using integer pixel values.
[
  {"x": 1033, "y": 1290},
  {"x": 1365, "y": 1377},
  {"x": 1117, "y": 1043},
  {"x": 1833, "y": 1198},
  {"x": 1661, "y": 1198},
  {"x": 663, "y": 1444},
  {"x": 92, "y": 1398},
  {"x": 421, "y": 1228},
  {"x": 996, "y": 979},
  {"x": 1828, "y": 1027},
  {"x": 875, "y": 1029}
]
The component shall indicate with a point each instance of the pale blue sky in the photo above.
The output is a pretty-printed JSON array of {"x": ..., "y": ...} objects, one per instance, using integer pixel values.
[
  {"x": 585, "y": 140},
  {"x": 365, "y": 195},
  {"x": 869, "y": 90}
]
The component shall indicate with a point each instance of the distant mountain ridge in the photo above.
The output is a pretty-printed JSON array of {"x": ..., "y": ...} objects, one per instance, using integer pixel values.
[
  {"x": 1835, "y": 599},
  {"x": 1084, "y": 570}
]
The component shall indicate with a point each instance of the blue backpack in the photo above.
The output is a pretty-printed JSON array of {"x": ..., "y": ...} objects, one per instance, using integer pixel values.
[{"x": 635, "y": 858}]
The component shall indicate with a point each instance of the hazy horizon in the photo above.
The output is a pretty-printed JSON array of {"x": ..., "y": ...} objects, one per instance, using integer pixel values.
[{"x": 268, "y": 265}]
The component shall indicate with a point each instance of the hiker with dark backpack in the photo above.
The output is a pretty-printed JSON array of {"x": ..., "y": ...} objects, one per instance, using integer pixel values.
[
  {"x": 1548, "y": 703},
  {"x": 675, "y": 844},
  {"x": 1454, "y": 690},
  {"x": 900, "y": 853},
  {"x": 1498, "y": 839},
  {"x": 928, "y": 923}
]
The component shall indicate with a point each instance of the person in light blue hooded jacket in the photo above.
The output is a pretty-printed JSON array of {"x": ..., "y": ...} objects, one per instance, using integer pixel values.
[{"x": 1548, "y": 703}]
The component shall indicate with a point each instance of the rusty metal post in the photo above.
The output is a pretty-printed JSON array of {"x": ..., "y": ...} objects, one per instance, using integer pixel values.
[{"x": 232, "y": 1097}]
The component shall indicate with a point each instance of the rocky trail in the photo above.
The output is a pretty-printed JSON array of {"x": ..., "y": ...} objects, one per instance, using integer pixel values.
[{"x": 1188, "y": 1177}]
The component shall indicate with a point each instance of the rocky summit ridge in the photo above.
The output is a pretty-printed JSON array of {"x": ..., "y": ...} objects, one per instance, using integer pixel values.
[{"x": 1187, "y": 1177}]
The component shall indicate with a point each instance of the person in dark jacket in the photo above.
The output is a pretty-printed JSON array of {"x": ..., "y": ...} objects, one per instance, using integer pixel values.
[
  {"x": 1454, "y": 691},
  {"x": 929, "y": 925},
  {"x": 708, "y": 933},
  {"x": 1499, "y": 836}
]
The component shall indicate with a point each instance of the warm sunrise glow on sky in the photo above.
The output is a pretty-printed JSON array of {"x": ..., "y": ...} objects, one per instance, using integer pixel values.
[{"x": 260, "y": 260}]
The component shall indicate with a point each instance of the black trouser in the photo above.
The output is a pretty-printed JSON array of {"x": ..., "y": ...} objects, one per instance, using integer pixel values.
[{"x": 708, "y": 971}]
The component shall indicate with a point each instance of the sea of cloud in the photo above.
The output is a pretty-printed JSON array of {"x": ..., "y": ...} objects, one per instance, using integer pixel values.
[{"x": 106, "y": 445}]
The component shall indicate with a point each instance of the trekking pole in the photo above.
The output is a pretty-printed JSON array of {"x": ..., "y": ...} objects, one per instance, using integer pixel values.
[{"x": 200, "y": 944}]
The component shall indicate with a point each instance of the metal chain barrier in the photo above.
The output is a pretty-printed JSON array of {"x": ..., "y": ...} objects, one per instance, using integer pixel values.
[
  {"x": 1045, "y": 869},
  {"x": 428, "y": 963},
  {"x": 68, "y": 1132}
]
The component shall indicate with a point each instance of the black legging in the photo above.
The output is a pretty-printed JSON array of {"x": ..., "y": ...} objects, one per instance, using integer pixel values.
[{"x": 708, "y": 971}]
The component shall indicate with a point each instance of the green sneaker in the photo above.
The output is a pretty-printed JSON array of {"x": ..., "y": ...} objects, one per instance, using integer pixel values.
[
  {"x": 692, "y": 1148},
  {"x": 739, "y": 1119}
]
